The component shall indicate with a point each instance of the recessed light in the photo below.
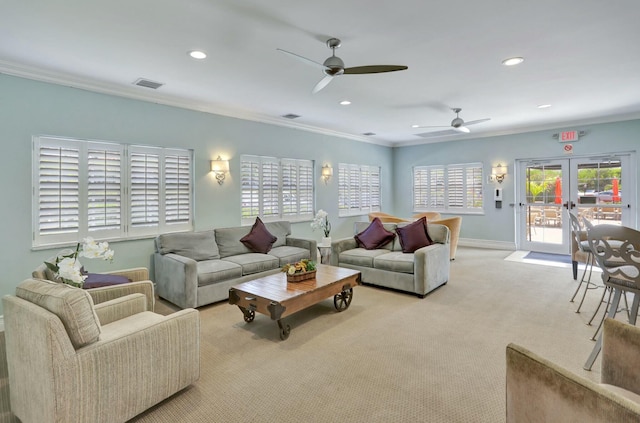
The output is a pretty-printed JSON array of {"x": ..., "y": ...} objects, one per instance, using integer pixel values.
[
  {"x": 512, "y": 61},
  {"x": 544, "y": 106},
  {"x": 197, "y": 54},
  {"x": 415, "y": 126},
  {"x": 345, "y": 102}
]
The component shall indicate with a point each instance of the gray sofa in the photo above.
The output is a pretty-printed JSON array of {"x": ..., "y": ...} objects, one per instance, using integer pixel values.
[
  {"x": 192, "y": 269},
  {"x": 420, "y": 272}
]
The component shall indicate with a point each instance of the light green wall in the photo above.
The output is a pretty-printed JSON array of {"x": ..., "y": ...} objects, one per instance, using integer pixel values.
[
  {"x": 499, "y": 224},
  {"x": 30, "y": 108}
]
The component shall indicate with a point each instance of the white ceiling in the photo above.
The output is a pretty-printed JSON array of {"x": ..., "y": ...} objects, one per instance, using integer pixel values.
[{"x": 581, "y": 56}]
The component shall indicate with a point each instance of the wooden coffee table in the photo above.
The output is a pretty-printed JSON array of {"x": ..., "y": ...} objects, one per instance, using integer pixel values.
[{"x": 273, "y": 296}]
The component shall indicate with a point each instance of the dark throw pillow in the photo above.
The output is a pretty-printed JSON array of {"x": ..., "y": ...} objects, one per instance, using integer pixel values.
[
  {"x": 96, "y": 280},
  {"x": 414, "y": 236},
  {"x": 259, "y": 239},
  {"x": 375, "y": 236}
]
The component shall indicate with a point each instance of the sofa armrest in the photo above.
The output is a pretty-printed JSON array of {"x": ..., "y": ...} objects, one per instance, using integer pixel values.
[
  {"x": 107, "y": 293},
  {"x": 620, "y": 346},
  {"x": 539, "y": 390},
  {"x": 308, "y": 244},
  {"x": 121, "y": 307},
  {"x": 176, "y": 279},
  {"x": 431, "y": 265},
  {"x": 339, "y": 246}
]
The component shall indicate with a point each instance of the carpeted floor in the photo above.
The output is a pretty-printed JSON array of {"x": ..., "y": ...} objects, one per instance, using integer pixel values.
[{"x": 391, "y": 357}]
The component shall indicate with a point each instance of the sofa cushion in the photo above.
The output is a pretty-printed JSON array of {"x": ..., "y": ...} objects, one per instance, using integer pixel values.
[
  {"x": 395, "y": 261},
  {"x": 414, "y": 235},
  {"x": 255, "y": 262},
  {"x": 195, "y": 245},
  {"x": 289, "y": 254},
  {"x": 360, "y": 256},
  {"x": 280, "y": 230},
  {"x": 259, "y": 239},
  {"x": 73, "y": 306},
  {"x": 228, "y": 240},
  {"x": 214, "y": 271},
  {"x": 375, "y": 236}
]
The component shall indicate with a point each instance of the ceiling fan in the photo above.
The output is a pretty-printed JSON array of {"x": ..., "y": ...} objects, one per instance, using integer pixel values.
[
  {"x": 334, "y": 66},
  {"x": 457, "y": 124}
]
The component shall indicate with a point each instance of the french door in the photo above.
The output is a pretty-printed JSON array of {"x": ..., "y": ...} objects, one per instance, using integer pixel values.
[{"x": 597, "y": 188}]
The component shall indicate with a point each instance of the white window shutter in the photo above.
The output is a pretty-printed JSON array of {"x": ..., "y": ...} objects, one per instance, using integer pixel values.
[{"x": 177, "y": 188}]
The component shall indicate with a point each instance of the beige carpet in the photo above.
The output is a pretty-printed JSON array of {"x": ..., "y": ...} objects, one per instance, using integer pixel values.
[{"x": 390, "y": 357}]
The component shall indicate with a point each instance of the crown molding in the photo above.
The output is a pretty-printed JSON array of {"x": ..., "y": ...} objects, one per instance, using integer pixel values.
[{"x": 136, "y": 93}]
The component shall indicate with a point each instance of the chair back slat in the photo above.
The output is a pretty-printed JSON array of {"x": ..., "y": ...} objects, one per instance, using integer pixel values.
[{"x": 617, "y": 252}]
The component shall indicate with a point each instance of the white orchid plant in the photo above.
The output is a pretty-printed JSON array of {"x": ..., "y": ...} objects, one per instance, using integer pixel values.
[
  {"x": 321, "y": 221},
  {"x": 69, "y": 269}
]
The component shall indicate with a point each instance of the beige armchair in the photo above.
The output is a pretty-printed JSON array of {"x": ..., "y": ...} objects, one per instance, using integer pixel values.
[
  {"x": 453, "y": 223},
  {"x": 70, "y": 361},
  {"x": 139, "y": 277},
  {"x": 541, "y": 391},
  {"x": 386, "y": 218}
]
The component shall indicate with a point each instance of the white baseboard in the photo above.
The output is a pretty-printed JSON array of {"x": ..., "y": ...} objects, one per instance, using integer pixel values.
[{"x": 484, "y": 243}]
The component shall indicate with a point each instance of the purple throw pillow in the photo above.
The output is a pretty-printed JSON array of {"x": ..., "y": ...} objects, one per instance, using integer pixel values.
[
  {"x": 259, "y": 239},
  {"x": 375, "y": 236},
  {"x": 414, "y": 236},
  {"x": 96, "y": 280}
]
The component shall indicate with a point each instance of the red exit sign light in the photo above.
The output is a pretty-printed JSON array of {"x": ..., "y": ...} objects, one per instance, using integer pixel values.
[{"x": 568, "y": 136}]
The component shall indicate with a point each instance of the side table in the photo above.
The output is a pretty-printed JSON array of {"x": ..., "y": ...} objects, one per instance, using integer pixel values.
[{"x": 325, "y": 254}]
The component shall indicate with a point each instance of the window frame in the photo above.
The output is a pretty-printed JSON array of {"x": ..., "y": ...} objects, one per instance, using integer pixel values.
[
  {"x": 124, "y": 229},
  {"x": 353, "y": 184},
  {"x": 446, "y": 197},
  {"x": 282, "y": 173}
]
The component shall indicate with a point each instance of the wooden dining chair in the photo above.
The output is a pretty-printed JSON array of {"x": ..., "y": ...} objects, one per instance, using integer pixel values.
[{"x": 616, "y": 250}]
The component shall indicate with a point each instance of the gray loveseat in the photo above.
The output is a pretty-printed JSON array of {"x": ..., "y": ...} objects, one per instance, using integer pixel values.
[
  {"x": 192, "y": 269},
  {"x": 419, "y": 272}
]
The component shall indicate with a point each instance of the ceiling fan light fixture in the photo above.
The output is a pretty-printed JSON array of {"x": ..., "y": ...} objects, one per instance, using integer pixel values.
[
  {"x": 198, "y": 54},
  {"x": 512, "y": 61}
]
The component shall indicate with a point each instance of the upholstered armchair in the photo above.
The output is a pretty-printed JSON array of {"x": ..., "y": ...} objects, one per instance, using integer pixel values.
[
  {"x": 139, "y": 277},
  {"x": 70, "y": 361},
  {"x": 453, "y": 223},
  {"x": 541, "y": 391},
  {"x": 386, "y": 218},
  {"x": 431, "y": 216}
]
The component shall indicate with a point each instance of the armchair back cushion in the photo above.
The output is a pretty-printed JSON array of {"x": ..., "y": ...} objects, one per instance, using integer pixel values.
[
  {"x": 73, "y": 306},
  {"x": 197, "y": 246}
]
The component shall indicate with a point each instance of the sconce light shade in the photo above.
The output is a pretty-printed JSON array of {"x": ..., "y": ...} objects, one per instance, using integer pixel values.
[
  {"x": 220, "y": 168},
  {"x": 499, "y": 172},
  {"x": 326, "y": 172}
]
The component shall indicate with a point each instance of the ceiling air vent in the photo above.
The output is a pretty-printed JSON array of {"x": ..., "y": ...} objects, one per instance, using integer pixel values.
[
  {"x": 141, "y": 82},
  {"x": 369, "y": 133},
  {"x": 290, "y": 116}
]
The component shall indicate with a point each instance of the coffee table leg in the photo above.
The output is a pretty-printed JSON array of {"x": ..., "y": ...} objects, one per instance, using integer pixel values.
[
  {"x": 342, "y": 300},
  {"x": 285, "y": 330},
  {"x": 249, "y": 314}
]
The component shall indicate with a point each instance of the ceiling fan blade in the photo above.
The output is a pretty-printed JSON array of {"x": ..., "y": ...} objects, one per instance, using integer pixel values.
[
  {"x": 473, "y": 122},
  {"x": 304, "y": 59},
  {"x": 323, "y": 83},
  {"x": 430, "y": 126},
  {"x": 462, "y": 129},
  {"x": 374, "y": 69}
]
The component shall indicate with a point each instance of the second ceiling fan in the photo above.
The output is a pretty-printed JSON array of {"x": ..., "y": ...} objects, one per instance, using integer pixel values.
[
  {"x": 457, "y": 124},
  {"x": 334, "y": 66}
]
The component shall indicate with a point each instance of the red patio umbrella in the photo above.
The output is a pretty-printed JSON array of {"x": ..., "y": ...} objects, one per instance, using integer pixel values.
[
  {"x": 616, "y": 191},
  {"x": 558, "y": 199}
]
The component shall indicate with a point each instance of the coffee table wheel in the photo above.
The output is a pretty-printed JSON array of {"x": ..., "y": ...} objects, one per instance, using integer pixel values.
[
  {"x": 342, "y": 300},
  {"x": 285, "y": 330},
  {"x": 249, "y": 314}
]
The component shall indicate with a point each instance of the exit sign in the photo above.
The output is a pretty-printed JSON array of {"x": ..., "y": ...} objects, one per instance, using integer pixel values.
[{"x": 568, "y": 136}]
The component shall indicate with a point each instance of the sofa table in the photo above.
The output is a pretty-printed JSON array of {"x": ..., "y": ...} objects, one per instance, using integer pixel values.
[{"x": 273, "y": 296}]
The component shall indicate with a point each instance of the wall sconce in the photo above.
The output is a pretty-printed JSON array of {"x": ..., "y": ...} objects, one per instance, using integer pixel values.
[
  {"x": 326, "y": 172},
  {"x": 499, "y": 172},
  {"x": 220, "y": 168}
]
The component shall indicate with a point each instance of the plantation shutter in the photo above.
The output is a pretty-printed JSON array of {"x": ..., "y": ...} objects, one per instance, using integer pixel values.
[
  {"x": 270, "y": 189},
  {"x": 104, "y": 189},
  {"x": 374, "y": 191},
  {"x": 358, "y": 189},
  {"x": 177, "y": 189},
  {"x": 250, "y": 182},
  {"x": 305, "y": 189},
  {"x": 58, "y": 190},
  {"x": 448, "y": 188},
  {"x": 289, "y": 188},
  {"x": 144, "y": 189}
]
